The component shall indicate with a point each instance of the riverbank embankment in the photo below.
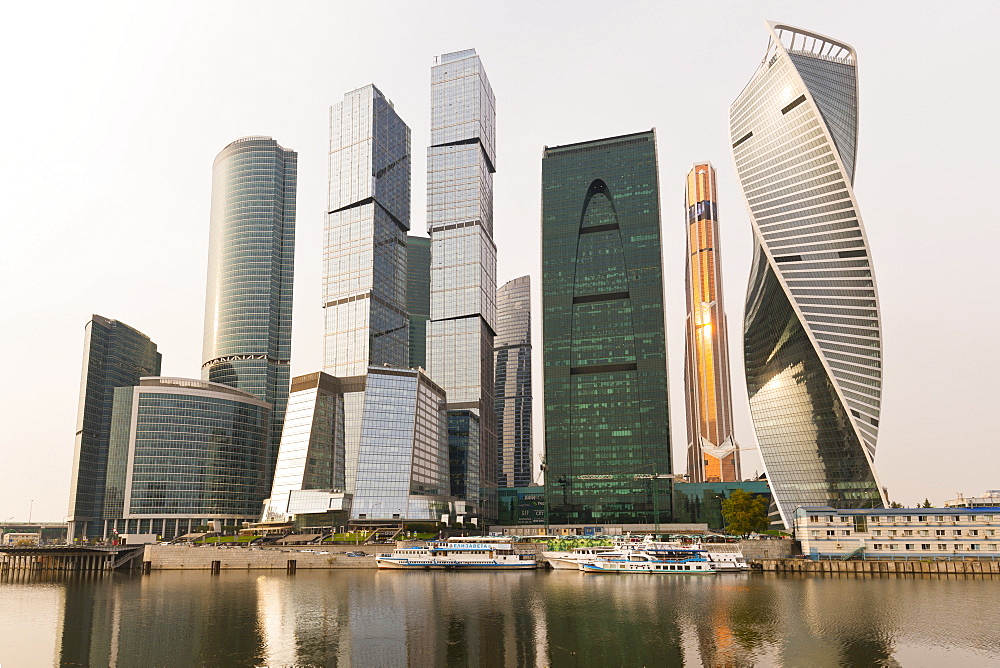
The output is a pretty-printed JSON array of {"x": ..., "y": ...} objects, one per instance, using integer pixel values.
[
  {"x": 210, "y": 557},
  {"x": 951, "y": 567}
]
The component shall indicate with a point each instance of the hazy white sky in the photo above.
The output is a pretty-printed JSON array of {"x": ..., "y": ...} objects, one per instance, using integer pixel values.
[{"x": 113, "y": 114}]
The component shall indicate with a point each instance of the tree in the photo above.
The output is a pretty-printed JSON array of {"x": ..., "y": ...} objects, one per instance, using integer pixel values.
[
  {"x": 895, "y": 504},
  {"x": 745, "y": 513},
  {"x": 926, "y": 503}
]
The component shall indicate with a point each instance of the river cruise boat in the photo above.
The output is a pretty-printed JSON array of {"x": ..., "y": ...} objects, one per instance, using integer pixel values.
[
  {"x": 667, "y": 562},
  {"x": 571, "y": 560},
  {"x": 724, "y": 557},
  {"x": 449, "y": 555}
]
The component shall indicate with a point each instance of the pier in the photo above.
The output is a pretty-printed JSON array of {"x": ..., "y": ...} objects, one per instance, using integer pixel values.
[
  {"x": 69, "y": 557},
  {"x": 989, "y": 567}
]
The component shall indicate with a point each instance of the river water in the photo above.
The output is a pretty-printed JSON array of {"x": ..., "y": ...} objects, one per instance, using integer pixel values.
[{"x": 544, "y": 618}]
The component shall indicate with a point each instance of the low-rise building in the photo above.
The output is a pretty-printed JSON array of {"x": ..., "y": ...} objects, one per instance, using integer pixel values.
[{"x": 898, "y": 532}]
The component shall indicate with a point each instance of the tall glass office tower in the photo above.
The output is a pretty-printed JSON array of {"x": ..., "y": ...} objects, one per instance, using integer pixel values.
[
  {"x": 364, "y": 257},
  {"x": 713, "y": 455},
  {"x": 460, "y": 165},
  {"x": 251, "y": 254},
  {"x": 368, "y": 215},
  {"x": 418, "y": 296},
  {"x": 812, "y": 343},
  {"x": 607, "y": 432},
  {"x": 115, "y": 355},
  {"x": 513, "y": 383}
]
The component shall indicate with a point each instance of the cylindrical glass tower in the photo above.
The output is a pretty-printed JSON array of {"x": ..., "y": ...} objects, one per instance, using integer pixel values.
[{"x": 248, "y": 304}]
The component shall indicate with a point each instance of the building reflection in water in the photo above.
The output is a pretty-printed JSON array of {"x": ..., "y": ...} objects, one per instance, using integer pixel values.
[{"x": 426, "y": 619}]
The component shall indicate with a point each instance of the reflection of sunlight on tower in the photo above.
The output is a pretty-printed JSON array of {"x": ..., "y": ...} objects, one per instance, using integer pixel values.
[{"x": 276, "y": 623}]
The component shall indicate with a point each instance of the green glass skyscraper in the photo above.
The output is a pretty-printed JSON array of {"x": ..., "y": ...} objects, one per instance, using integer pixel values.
[
  {"x": 418, "y": 296},
  {"x": 607, "y": 433}
]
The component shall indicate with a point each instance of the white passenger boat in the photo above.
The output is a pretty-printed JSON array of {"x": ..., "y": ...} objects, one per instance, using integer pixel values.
[
  {"x": 676, "y": 562},
  {"x": 458, "y": 556},
  {"x": 724, "y": 557},
  {"x": 571, "y": 560}
]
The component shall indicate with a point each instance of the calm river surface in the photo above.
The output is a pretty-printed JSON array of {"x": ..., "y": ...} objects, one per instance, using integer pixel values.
[{"x": 556, "y": 618}]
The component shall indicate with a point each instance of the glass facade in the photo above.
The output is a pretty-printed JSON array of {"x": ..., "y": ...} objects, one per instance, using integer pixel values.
[
  {"x": 812, "y": 340},
  {"x": 312, "y": 450},
  {"x": 248, "y": 304},
  {"x": 115, "y": 355},
  {"x": 364, "y": 250},
  {"x": 418, "y": 296},
  {"x": 513, "y": 383},
  {"x": 402, "y": 471},
  {"x": 701, "y": 503},
  {"x": 606, "y": 418},
  {"x": 187, "y": 450},
  {"x": 460, "y": 165},
  {"x": 713, "y": 455}
]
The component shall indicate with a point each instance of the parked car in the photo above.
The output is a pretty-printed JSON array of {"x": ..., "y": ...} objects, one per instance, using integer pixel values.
[{"x": 356, "y": 554}]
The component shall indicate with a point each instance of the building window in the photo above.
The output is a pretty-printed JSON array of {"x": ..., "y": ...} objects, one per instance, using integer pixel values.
[
  {"x": 892, "y": 546},
  {"x": 958, "y": 547},
  {"x": 831, "y": 532},
  {"x": 939, "y": 532},
  {"x": 973, "y": 532},
  {"x": 925, "y": 546},
  {"x": 813, "y": 518},
  {"x": 957, "y": 532},
  {"x": 924, "y": 532},
  {"x": 909, "y": 546},
  {"x": 846, "y": 532},
  {"x": 974, "y": 546},
  {"x": 922, "y": 518},
  {"x": 892, "y": 532},
  {"x": 942, "y": 546},
  {"x": 877, "y": 546},
  {"x": 877, "y": 532},
  {"x": 993, "y": 547},
  {"x": 939, "y": 518},
  {"x": 908, "y": 532}
]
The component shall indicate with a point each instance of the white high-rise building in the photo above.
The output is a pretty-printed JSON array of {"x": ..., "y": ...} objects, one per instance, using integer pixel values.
[
  {"x": 460, "y": 164},
  {"x": 812, "y": 340}
]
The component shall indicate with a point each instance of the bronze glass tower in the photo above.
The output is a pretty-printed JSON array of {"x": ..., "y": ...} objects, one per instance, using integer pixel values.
[{"x": 713, "y": 455}]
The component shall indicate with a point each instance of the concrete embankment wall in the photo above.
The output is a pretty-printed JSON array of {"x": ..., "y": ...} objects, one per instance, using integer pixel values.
[
  {"x": 769, "y": 549},
  {"x": 186, "y": 557},
  {"x": 968, "y": 567}
]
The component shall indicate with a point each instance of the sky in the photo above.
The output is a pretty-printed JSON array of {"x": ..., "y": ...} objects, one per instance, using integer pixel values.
[{"x": 114, "y": 113}]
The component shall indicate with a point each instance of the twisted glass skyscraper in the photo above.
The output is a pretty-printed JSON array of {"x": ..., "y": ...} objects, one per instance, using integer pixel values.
[
  {"x": 248, "y": 304},
  {"x": 460, "y": 165},
  {"x": 812, "y": 342},
  {"x": 713, "y": 455},
  {"x": 513, "y": 383}
]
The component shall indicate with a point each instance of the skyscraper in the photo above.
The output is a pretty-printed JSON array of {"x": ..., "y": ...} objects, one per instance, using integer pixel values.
[
  {"x": 606, "y": 419},
  {"x": 461, "y": 161},
  {"x": 713, "y": 455},
  {"x": 251, "y": 254},
  {"x": 812, "y": 343},
  {"x": 364, "y": 257},
  {"x": 115, "y": 355},
  {"x": 364, "y": 254},
  {"x": 513, "y": 383},
  {"x": 418, "y": 296}
]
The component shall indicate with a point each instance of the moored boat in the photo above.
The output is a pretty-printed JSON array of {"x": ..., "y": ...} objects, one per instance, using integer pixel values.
[
  {"x": 571, "y": 560},
  {"x": 668, "y": 562},
  {"x": 457, "y": 556}
]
